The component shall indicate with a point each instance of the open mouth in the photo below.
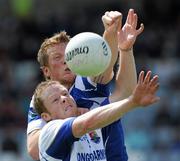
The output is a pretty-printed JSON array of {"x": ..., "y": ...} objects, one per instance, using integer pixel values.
[
  {"x": 67, "y": 70},
  {"x": 68, "y": 107}
]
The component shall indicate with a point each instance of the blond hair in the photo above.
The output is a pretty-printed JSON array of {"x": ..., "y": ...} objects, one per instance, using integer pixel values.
[
  {"x": 38, "y": 101},
  {"x": 43, "y": 56}
]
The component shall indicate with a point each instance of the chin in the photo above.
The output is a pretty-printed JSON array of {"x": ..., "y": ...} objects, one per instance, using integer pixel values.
[
  {"x": 74, "y": 113},
  {"x": 71, "y": 115},
  {"x": 69, "y": 78}
]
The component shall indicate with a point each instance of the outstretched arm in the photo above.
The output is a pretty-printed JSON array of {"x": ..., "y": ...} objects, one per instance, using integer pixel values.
[
  {"x": 112, "y": 23},
  {"x": 126, "y": 78},
  {"x": 143, "y": 95}
]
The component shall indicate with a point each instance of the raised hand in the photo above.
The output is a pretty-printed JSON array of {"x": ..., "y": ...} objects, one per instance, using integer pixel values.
[
  {"x": 128, "y": 34},
  {"x": 112, "y": 21},
  {"x": 144, "y": 93}
]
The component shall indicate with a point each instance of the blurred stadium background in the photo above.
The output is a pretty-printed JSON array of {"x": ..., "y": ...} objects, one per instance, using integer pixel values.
[{"x": 152, "y": 134}]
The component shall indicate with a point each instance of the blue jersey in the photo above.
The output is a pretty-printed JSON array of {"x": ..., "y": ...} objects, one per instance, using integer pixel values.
[
  {"x": 57, "y": 143},
  {"x": 113, "y": 137},
  {"x": 88, "y": 94},
  {"x": 91, "y": 95}
]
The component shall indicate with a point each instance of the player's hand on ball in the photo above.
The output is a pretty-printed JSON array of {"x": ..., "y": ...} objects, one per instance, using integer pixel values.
[
  {"x": 128, "y": 34},
  {"x": 112, "y": 21},
  {"x": 144, "y": 93}
]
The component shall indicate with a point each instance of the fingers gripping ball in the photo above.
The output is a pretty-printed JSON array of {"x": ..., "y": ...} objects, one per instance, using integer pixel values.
[{"x": 87, "y": 54}]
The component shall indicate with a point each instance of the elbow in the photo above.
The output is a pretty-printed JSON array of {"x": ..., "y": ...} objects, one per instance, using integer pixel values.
[
  {"x": 33, "y": 152},
  {"x": 107, "y": 76}
]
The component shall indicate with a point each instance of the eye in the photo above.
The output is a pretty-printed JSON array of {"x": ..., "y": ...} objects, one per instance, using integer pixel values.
[
  {"x": 56, "y": 99},
  {"x": 57, "y": 57},
  {"x": 66, "y": 93}
]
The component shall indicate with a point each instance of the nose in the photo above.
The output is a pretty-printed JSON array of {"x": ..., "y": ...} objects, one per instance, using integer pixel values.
[{"x": 63, "y": 99}]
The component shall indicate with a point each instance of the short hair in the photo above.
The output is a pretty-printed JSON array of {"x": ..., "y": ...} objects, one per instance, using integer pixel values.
[
  {"x": 43, "y": 56},
  {"x": 38, "y": 101}
]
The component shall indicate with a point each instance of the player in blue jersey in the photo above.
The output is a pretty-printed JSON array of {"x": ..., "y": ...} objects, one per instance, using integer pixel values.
[
  {"x": 67, "y": 137},
  {"x": 90, "y": 92}
]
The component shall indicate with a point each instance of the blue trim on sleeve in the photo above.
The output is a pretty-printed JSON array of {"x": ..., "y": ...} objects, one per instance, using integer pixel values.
[
  {"x": 62, "y": 144},
  {"x": 32, "y": 115}
]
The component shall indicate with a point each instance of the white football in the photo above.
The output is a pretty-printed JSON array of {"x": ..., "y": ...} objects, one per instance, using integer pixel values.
[{"x": 88, "y": 54}]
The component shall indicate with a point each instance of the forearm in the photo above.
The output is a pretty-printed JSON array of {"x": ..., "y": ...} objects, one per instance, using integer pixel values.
[
  {"x": 142, "y": 95},
  {"x": 112, "y": 41},
  {"x": 107, "y": 76},
  {"x": 32, "y": 144},
  {"x": 126, "y": 78},
  {"x": 101, "y": 117}
]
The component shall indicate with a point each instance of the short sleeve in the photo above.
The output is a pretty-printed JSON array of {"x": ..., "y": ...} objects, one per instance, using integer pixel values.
[{"x": 57, "y": 138}]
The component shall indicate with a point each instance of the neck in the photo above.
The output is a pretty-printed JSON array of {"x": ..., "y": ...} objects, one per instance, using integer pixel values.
[{"x": 67, "y": 85}]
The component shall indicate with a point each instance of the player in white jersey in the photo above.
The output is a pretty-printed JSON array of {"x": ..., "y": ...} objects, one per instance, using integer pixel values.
[
  {"x": 51, "y": 59},
  {"x": 67, "y": 137}
]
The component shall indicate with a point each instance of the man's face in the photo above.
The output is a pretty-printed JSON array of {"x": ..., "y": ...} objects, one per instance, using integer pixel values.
[
  {"x": 57, "y": 67},
  {"x": 58, "y": 102}
]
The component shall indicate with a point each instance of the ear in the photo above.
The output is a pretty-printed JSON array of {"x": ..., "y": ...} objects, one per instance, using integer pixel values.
[
  {"x": 46, "y": 116},
  {"x": 46, "y": 71}
]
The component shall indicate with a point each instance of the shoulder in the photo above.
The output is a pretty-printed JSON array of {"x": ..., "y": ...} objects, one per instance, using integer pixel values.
[
  {"x": 55, "y": 133},
  {"x": 35, "y": 124},
  {"x": 49, "y": 132},
  {"x": 52, "y": 126},
  {"x": 51, "y": 129}
]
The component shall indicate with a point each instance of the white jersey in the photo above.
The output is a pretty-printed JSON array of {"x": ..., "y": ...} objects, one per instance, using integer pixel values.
[{"x": 57, "y": 143}]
